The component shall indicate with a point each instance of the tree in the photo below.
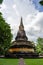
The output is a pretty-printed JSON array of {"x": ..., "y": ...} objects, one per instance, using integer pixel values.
[
  {"x": 5, "y": 34},
  {"x": 41, "y": 2},
  {"x": 40, "y": 44},
  {"x": 40, "y": 41},
  {"x": 38, "y": 48},
  {"x": 1, "y": 1}
]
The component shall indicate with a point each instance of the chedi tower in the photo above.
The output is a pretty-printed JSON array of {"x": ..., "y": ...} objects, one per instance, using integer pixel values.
[{"x": 21, "y": 47}]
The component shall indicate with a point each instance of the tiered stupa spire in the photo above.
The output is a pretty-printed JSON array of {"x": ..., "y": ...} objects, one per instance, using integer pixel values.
[
  {"x": 21, "y": 35},
  {"x": 21, "y": 27}
]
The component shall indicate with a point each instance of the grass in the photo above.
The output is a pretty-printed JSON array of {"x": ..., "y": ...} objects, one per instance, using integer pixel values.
[
  {"x": 33, "y": 61},
  {"x": 4, "y": 61}
]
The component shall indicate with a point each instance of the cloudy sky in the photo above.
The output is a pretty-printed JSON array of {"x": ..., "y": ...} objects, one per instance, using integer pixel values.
[{"x": 31, "y": 12}]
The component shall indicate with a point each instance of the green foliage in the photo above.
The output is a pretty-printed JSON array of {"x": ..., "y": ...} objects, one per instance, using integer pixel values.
[
  {"x": 1, "y": 1},
  {"x": 41, "y": 2},
  {"x": 39, "y": 46},
  {"x": 40, "y": 41},
  {"x": 5, "y": 34}
]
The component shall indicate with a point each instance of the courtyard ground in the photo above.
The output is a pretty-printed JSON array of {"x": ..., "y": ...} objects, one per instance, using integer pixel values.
[
  {"x": 33, "y": 61},
  {"x": 4, "y": 61}
]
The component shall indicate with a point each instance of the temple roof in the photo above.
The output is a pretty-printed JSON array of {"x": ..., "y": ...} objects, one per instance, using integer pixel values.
[{"x": 21, "y": 35}]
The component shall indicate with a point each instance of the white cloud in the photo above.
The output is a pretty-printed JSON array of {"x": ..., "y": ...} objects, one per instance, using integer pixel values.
[
  {"x": 32, "y": 20},
  {"x": 15, "y": 8},
  {"x": 11, "y": 21},
  {"x": 3, "y": 6},
  {"x": 35, "y": 27},
  {"x": 13, "y": 24}
]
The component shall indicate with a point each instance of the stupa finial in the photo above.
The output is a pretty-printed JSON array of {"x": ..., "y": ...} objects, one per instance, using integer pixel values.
[{"x": 21, "y": 23}]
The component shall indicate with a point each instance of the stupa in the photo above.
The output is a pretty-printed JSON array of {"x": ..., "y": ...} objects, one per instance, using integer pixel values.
[{"x": 21, "y": 47}]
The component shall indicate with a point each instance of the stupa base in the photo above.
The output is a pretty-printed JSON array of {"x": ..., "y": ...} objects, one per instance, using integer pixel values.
[{"x": 22, "y": 55}]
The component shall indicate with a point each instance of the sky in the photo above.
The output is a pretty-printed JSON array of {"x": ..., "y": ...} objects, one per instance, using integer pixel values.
[{"x": 31, "y": 12}]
